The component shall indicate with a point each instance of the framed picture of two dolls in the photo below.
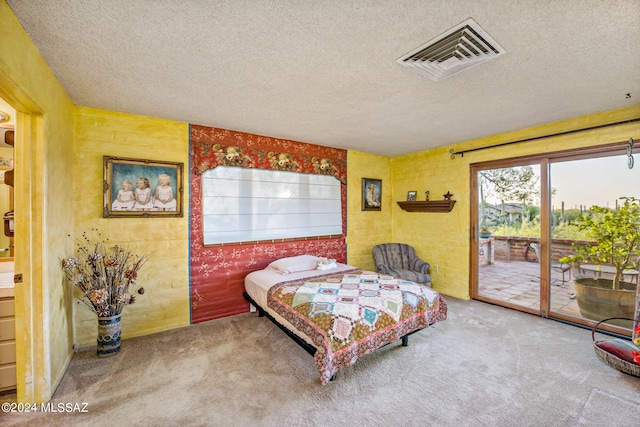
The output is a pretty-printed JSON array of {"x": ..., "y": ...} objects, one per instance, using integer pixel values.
[{"x": 142, "y": 188}]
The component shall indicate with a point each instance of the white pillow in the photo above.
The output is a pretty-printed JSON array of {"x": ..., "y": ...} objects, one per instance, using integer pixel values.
[{"x": 294, "y": 264}]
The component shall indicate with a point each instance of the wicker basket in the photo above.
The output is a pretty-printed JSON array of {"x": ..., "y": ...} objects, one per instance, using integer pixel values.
[{"x": 617, "y": 353}]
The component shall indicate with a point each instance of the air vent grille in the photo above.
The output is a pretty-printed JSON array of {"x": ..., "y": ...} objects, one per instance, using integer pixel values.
[{"x": 459, "y": 48}]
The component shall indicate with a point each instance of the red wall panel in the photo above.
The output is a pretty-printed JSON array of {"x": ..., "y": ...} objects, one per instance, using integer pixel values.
[{"x": 217, "y": 272}]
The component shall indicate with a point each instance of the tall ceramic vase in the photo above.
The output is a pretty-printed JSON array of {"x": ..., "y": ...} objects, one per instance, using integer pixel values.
[{"x": 109, "y": 332}]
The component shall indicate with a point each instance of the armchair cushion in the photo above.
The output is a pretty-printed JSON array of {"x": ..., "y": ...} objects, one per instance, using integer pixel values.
[{"x": 401, "y": 261}]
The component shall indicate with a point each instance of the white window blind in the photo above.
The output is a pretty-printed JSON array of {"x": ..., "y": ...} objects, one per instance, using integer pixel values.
[{"x": 244, "y": 204}]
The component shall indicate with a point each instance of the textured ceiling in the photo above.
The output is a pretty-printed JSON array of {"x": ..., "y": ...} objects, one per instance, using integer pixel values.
[{"x": 325, "y": 71}]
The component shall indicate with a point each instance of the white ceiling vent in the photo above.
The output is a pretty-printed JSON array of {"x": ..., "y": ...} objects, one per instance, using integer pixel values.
[{"x": 459, "y": 48}]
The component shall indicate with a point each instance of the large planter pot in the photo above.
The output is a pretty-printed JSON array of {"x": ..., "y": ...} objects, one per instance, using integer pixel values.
[
  {"x": 109, "y": 333},
  {"x": 598, "y": 300}
]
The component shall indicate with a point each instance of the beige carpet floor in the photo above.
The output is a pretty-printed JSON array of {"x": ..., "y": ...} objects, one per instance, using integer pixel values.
[{"x": 483, "y": 366}]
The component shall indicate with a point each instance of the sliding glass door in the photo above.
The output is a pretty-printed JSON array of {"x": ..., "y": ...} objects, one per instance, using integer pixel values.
[
  {"x": 507, "y": 235},
  {"x": 579, "y": 185},
  {"x": 528, "y": 225}
]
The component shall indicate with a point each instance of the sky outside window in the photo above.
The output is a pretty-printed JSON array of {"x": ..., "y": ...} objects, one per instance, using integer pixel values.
[{"x": 591, "y": 182}]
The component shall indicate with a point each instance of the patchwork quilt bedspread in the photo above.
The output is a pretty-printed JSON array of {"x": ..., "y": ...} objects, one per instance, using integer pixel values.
[{"x": 353, "y": 314}]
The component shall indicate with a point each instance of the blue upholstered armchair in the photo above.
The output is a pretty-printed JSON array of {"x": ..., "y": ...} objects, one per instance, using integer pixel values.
[{"x": 401, "y": 261}]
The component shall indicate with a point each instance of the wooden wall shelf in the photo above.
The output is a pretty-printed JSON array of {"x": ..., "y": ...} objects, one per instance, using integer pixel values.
[{"x": 430, "y": 206}]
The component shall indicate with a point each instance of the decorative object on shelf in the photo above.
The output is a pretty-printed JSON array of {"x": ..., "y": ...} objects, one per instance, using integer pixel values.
[
  {"x": 426, "y": 196},
  {"x": 6, "y": 163},
  {"x": 411, "y": 196},
  {"x": 9, "y": 137},
  {"x": 630, "y": 154},
  {"x": 8, "y": 223},
  {"x": 448, "y": 196},
  {"x": 8, "y": 177},
  {"x": 428, "y": 206},
  {"x": 104, "y": 274},
  {"x": 142, "y": 188},
  {"x": 371, "y": 194}
]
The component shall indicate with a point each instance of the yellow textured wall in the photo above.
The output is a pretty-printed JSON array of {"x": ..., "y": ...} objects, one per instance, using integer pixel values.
[
  {"x": 436, "y": 236},
  {"x": 443, "y": 238},
  {"x": 366, "y": 229},
  {"x": 43, "y": 209},
  {"x": 165, "y": 277}
]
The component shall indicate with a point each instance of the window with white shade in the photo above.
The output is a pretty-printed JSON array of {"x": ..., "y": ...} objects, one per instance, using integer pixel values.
[{"x": 245, "y": 204}]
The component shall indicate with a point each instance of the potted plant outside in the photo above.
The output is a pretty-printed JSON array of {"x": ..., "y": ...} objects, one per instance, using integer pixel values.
[
  {"x": 484, "y": 233},
  {"x": 615, "y": 236}
]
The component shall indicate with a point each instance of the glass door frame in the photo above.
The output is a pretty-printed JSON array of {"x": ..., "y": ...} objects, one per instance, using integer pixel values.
[
  {"x": 544, "y": 160},
  {"x": 475, "y": 229}
]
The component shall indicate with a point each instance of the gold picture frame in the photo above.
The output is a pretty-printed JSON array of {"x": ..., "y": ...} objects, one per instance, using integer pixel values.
[{"x": 139, "y": 188}]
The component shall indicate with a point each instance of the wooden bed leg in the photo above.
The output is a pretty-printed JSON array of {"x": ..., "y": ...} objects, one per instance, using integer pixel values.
[{"x": 405, "y": 341}]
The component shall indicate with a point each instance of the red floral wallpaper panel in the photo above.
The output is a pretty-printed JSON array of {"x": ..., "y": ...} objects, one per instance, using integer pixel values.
[{"x": 217, "y": 272}]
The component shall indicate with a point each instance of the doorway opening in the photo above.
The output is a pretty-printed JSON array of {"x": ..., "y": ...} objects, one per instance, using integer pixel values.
[
  {"x": 525, "y": 232},
  {"x": 8, "y": 354}
]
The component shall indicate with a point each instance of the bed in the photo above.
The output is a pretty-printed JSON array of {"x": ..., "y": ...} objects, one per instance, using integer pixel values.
[{"x": 337, "y": 312}]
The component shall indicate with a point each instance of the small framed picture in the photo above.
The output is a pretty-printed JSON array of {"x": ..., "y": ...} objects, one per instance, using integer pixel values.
[
  {"x": 371, "y": 194},
  {"x": 411, "y": 196},
  {"x": 142, "y": 188}
]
